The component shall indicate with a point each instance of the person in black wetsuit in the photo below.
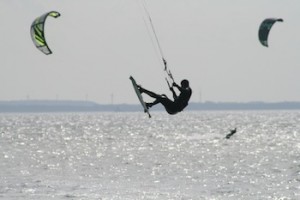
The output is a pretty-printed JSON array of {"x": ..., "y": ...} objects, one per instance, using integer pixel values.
[
  {"x": 172, "y": 106},
  {"x": 231, "y": 133}
]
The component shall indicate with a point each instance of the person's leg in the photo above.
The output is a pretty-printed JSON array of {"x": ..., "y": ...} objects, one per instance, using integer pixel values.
[
  {"x": 151, "y": 94},
  {"x": 163, "y": 99},
  {"x": 149, "y": 105},
  {"x": 166, "y": 102}
]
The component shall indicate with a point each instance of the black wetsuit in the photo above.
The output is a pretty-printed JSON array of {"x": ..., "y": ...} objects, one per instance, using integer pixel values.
[
  {"x": 179, "y": 103},
  {"x": 172, "y": 107}
]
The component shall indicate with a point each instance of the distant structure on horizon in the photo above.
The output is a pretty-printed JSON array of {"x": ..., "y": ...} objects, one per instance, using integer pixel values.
[
  {"x": 112, "y": 99},
  {"x": 200, "y": 96}
]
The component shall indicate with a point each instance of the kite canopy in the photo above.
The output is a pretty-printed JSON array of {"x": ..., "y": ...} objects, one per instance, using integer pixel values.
[
  {"x": 265, "y": 28},
  {"x": 37, "y": 31}
]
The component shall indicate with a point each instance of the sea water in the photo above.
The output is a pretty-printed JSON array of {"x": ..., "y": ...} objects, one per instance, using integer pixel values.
[{"x": 112, "y": 156}]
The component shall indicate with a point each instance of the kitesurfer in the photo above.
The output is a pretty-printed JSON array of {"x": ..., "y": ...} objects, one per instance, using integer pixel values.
[
  {"x": 172, "y": 106},
  {"x": 231, "y": 133}
]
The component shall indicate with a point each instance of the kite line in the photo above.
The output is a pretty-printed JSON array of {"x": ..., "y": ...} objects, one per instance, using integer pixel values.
[{"x": 164, "y": 61}]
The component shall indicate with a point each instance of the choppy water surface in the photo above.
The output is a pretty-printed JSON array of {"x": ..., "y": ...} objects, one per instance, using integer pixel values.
[{"x": 112, "y": 156}]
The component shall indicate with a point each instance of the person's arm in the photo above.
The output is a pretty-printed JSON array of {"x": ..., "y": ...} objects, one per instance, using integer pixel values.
[
  {"x": 177, "y": 86},
  {"x": 174, "y": 93}
]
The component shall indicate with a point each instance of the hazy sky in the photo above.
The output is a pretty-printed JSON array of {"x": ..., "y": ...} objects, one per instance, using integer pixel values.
[{"x": 98, "y": 44}]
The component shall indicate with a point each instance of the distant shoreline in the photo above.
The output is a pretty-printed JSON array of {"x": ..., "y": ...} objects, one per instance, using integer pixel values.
[{"x": 89, "y": 106}]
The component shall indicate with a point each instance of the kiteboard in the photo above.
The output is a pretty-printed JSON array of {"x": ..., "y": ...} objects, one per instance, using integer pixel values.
[{"x": 139, "y": 95}]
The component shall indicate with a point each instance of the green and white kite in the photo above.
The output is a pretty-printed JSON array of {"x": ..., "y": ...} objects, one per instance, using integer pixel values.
[{"x": 37, "y": 32}]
